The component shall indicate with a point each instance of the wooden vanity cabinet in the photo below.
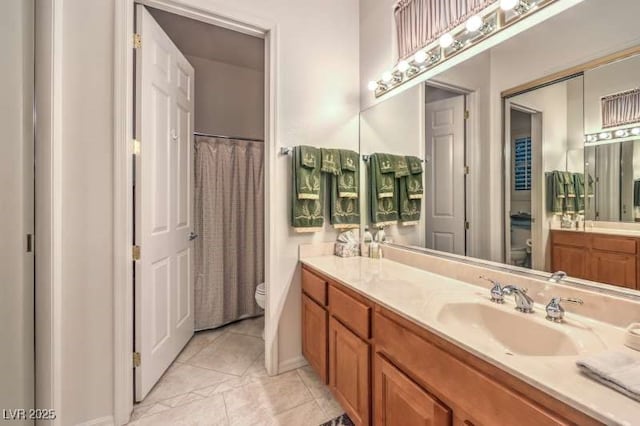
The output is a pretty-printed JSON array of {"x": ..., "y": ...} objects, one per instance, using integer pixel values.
[
  {"x": 343, "y": 360},
  {"x": 401, "y": 402},
  {"x": 315, "y": 323},
  {"x": 602, "y": 258}
]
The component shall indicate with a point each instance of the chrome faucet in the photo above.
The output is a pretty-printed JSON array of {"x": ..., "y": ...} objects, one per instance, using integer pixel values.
[
  {"x": 555, "y": 311},
  {"x": 557, "y": 276},
  {"x": 497, "y": 295},
  {"x": 524, "y": 303}
]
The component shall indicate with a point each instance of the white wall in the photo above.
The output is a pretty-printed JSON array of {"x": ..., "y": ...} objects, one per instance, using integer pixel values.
[
  {"x": 229, "y": 99},
  {"x": 16, "y": 206},
  {"x": 394, "y": 127},
  {"x": 317, "y": 103},
  {"x": 81, "y": 386},
  {"x": 607, "y": 80}
]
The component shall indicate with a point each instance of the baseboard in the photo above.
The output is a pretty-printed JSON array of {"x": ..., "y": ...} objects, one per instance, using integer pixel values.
[
  {"x": 100, "y": 421},
  {"x": 291, "y": 364}
]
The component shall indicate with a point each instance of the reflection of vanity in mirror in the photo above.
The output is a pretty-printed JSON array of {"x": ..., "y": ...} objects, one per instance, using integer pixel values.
[{"x": 530, "y": 156}]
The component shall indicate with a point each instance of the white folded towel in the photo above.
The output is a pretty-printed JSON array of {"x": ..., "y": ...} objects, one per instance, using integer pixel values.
[{"x": 615, "y": 369}]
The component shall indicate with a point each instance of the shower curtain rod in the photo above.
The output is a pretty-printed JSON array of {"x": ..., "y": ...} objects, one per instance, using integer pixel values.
[{"x": 227, "y": 137}]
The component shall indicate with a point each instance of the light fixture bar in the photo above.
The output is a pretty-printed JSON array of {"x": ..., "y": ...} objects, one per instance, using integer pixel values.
[
  {"x": 476, "y": 29},
  {"x": 613, "y": 136}
]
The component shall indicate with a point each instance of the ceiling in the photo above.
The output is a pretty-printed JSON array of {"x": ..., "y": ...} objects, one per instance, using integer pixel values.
[{"x": 196, "y": 38}]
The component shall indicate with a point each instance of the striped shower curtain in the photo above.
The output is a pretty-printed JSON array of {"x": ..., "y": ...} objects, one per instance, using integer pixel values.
[{"x": 229, "y": 219}]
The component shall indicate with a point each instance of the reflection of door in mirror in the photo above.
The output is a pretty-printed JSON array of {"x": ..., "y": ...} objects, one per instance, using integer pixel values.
[
  {"x": 444, "y": 170},
  {"x": 545, "y": 136}
]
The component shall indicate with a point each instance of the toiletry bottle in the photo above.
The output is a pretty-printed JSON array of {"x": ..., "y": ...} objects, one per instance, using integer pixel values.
[
  {"x": 367, "y": 238},
  {"x": 374, "y": 250},
  {"x": 380, "y": 235}
]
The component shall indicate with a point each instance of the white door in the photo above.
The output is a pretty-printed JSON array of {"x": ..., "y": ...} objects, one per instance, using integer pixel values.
[
  {"x": 444, "y": 169},
  {"x": 164, "y": 202}
]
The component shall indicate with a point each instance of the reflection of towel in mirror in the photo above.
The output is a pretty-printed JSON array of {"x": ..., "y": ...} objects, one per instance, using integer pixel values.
[
  {"x": 636, "y": 193},
  {"x": 383, "y": 210},
  {"x": 616, "y": 369},
  {"x": 590, "y": 188},
  {"x": 348, "y": 182},
  {"x": 409, "y": 207},
  {"x": 415, "y": 189},
  {"x": 555, "y": 192},
  {"x": 578, "y": 183},
  {"x": 344, "y": 211},
  {"x": 382, "y": 173},
  {"x": 307, "y": 191}
]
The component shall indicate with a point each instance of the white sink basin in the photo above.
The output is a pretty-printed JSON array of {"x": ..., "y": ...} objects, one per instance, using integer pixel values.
[{"x": 517, "y": 333}]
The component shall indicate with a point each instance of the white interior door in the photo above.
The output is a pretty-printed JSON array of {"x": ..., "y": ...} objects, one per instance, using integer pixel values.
[
  {"x": 444, "y": 169},
  {"x": 164, "y": 202}
]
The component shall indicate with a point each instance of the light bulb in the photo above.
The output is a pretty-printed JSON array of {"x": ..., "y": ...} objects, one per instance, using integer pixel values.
[
  {"x": 403, "y": 66},
  {"x": 604, "y": 135},
  {"x": 508, "y": 4},
  {"x": 387, "y": 77},
  {"x": 474, "y": 23},
  {"x": 373, "y": 85},
  {"x": 635, "y": 131},
  {"x": 446, "y": 40},
  {"x": 420, "y": 57},
  {"x": 621, "y": 133}
]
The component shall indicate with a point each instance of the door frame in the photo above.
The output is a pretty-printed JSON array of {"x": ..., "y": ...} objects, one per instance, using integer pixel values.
[
  {"x": 123, "y": 127},
  {"x": 471, "y": 133},
  {"x": 536, "y": 170}
]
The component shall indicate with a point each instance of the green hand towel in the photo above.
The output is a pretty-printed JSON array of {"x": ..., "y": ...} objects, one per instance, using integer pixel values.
[
  {"x": 383, "y": 175},
  {"x": 306, "y": 213},
  {"x": 400, "y": 166},
  {"x": 345, "y": 211},
  {"x": 555, "y": 192},
  {"x": 307, "y": 172},
  {"x": 383, "y": 210},
  {"x": 310, "y": 156},
  {"x": 348, "y": 181},
  {"x": 330, "y": 161},
  {"x": 414, "y": 180},
  {"x": 570, "y": 190},
  {"x": 409, "y": 208},
  {"x": 578, "y": 183}
]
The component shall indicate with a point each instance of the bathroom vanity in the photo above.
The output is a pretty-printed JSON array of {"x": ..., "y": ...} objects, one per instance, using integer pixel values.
[
  {"x": 398, "y": 345},
  {"x": 597, "y": 256}
]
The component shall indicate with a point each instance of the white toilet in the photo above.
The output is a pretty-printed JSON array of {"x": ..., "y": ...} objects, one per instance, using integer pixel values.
[
  {"x": 260, "y": 298},
  {"x": 260, "y": 295}
]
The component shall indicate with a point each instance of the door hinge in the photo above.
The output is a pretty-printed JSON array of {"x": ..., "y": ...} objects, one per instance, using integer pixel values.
[
  {"x": 466, "y": 115},
  {"x": 135, "y": 252},
  {"x": 466, "y": 170},
  {"x": 135, "y": 146},
  {"x": 467, "y": 225},
  {"x": 137, "y": 359},
  {"x": 137, "y": 41}
]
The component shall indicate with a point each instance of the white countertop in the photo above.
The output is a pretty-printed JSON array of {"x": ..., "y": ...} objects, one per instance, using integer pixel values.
[
  {"x": 604, "y": 231},
  {"x": 419, "y": 295}
]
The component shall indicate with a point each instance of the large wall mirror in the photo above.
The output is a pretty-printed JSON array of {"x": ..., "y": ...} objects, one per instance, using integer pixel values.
[{"x": 527, "y": 154}]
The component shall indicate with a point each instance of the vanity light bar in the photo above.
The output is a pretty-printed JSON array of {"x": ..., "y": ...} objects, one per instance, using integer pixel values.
[
  {"x": 477, "y": 28},
  {"x": 611, "y": 136}
]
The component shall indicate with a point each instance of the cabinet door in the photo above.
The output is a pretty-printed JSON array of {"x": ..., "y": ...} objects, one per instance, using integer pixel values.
[
  {"x": 314, "y": 336},
  {"x": 349, "y": 372},
  {"x": 613, "y": 268},
  {"x": 401, "y": 402},
  {"x": 572, "y": 260}
]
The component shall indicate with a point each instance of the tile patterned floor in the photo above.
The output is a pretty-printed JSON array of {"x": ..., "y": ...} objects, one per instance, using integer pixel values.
[{"x": 220, "y": 379}]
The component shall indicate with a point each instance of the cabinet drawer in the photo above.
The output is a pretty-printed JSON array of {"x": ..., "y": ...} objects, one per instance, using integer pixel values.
[
  {"x": 569, "y": 238},
  {"x": 617, "y": 245},
  {"x": 314, "y": 286},
  {"x": 454, "y": 382},
  {"x": 353, "y": 313}
]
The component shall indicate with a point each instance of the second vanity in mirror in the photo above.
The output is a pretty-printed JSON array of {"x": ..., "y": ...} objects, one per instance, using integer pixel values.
[{"x": 539, "y": 172}]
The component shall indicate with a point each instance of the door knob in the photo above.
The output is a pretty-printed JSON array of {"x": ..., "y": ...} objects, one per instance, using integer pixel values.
[
  {"x": 192, "y": 236},
  {"x": 174, "y": 134}
]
